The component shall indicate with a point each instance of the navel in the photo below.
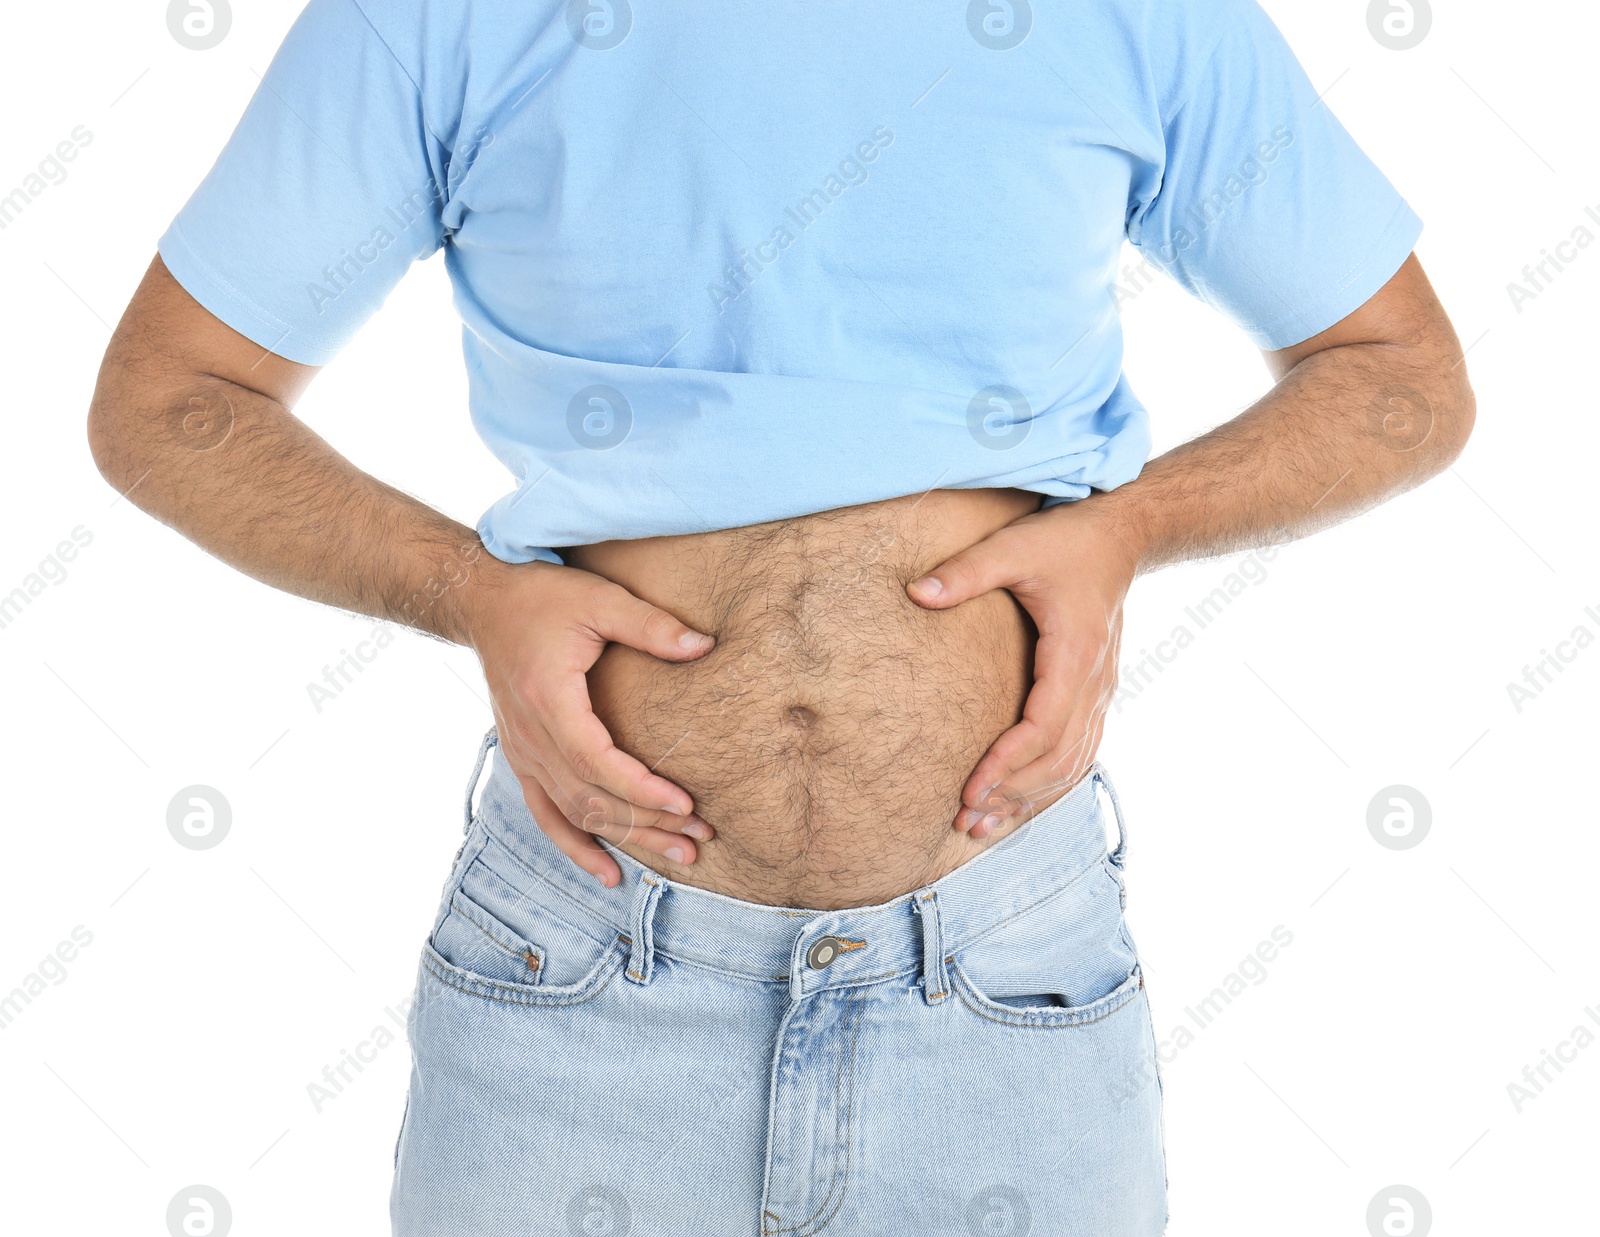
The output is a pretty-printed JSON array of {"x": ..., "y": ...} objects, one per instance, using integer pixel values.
[{"x": 800, "y": 717}]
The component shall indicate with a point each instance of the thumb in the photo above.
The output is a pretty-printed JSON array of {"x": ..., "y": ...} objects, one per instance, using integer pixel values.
[
  {"x": 629, "y": 620},
  {"x": 976, "y": 570}
]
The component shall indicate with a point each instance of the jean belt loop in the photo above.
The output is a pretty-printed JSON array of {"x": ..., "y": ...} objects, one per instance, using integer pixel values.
[
  {"x": 642, "y": 952},
  {"x": 935, "y": 978},
  {"x": 489, "y": 742},
  {"x": 797, "y": 960},
  {"x": 1117, "y": 855}
]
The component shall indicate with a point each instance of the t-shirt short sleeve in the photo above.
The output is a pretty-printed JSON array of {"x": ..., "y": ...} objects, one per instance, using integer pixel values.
[
  {"x": 1264, "y": 206},
  {"x": 330, "y": 187}
]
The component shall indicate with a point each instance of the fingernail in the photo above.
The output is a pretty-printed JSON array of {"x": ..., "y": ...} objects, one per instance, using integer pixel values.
[
  {"x": 988, "y": 825},
  {"x": 698, "y": 830},
  {"x": 676, "y": 810},
  {"x": 693, "y": 640},
  {"x": 675, "y": 853},
  {"x": 929, "y": 586}
]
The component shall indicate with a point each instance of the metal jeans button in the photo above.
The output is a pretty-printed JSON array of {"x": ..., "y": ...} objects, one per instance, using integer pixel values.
[{"x": 822, "y": 952}]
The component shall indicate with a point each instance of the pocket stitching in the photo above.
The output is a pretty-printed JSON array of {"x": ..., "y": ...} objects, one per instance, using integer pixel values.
[
  {"x": 1040, "y": 1018},
  {"x": 585, "y": 989},
  {"x": 570, "y": 906},
  {"x": 464, "y": 905}
]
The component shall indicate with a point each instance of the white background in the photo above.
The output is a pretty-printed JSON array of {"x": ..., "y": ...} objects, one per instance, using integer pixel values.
[{"x": 1377, "y": 1050}]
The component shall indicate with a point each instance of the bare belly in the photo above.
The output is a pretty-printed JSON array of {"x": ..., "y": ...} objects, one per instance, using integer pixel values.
[{"x": 828, "y": 735}]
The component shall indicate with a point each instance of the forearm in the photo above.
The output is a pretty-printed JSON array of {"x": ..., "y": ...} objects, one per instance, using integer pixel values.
[
  {"x": 1345, "y": 429},
  {"x": 237, "y": 473}
]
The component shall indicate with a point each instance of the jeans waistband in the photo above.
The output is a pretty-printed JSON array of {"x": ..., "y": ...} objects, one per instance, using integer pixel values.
[{"x": 913, "y": 935}]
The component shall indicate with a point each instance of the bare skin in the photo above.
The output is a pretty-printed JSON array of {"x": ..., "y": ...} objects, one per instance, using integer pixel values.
[
  {"x": 848, "y": 715},
  {"x": 828, "y": 734}
]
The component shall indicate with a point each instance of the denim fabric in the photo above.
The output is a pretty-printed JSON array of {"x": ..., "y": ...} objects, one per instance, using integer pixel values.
[{"x": 654, "y": 1060}]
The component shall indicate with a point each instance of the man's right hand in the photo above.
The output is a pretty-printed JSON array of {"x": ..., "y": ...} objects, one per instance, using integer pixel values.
[
  {"x": 538, "y": 628},
  {"x": 192, "y": 422}
]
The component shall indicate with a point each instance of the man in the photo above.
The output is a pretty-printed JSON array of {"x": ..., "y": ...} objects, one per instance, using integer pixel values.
[{"x": 792, "y": 322}]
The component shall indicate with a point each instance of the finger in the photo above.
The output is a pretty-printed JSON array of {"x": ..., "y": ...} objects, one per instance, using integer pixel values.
[
  {"x": 626, "y": 619},
  {"x": 580, "y": 739},
  {"x": 1058, "y": 770},
  {"x": 1070, "y": 676},
  {"x": 987, "y": 791},
  {"x": 1030, "y": 788},
  {"x": 574, "y": 843},
  {"x": 594, "y": 811},
  {"x": 532, "y": 754},
  {"x": 594, "y": 814},
  {"x": 1030, "y": 782},
  {"x": 673, "y": 847},
  {"x": 1062, "y": 670},
  {"x": 591, "y": 808},
  {"x": 978, "y": 569}
]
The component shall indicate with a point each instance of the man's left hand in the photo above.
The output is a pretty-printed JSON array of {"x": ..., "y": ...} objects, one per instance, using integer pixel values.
[{"x": 1070, "y": 570}]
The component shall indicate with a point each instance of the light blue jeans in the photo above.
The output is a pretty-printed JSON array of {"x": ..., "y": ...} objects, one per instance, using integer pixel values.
[{"x": 973, "y": 1058}]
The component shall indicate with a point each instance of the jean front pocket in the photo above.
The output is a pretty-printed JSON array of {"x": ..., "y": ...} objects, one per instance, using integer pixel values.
[
  {"x": 1063, "y": 962},
  {"x": 474, "y": 940},
  {"x": 508, "y": 941}
]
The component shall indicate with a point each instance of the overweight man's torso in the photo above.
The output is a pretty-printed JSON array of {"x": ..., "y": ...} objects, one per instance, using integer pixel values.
[{"x": 828, "y": 735}]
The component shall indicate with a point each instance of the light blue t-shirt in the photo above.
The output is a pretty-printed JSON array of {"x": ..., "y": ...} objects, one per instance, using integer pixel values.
[{"x": 728, "y": 262}]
